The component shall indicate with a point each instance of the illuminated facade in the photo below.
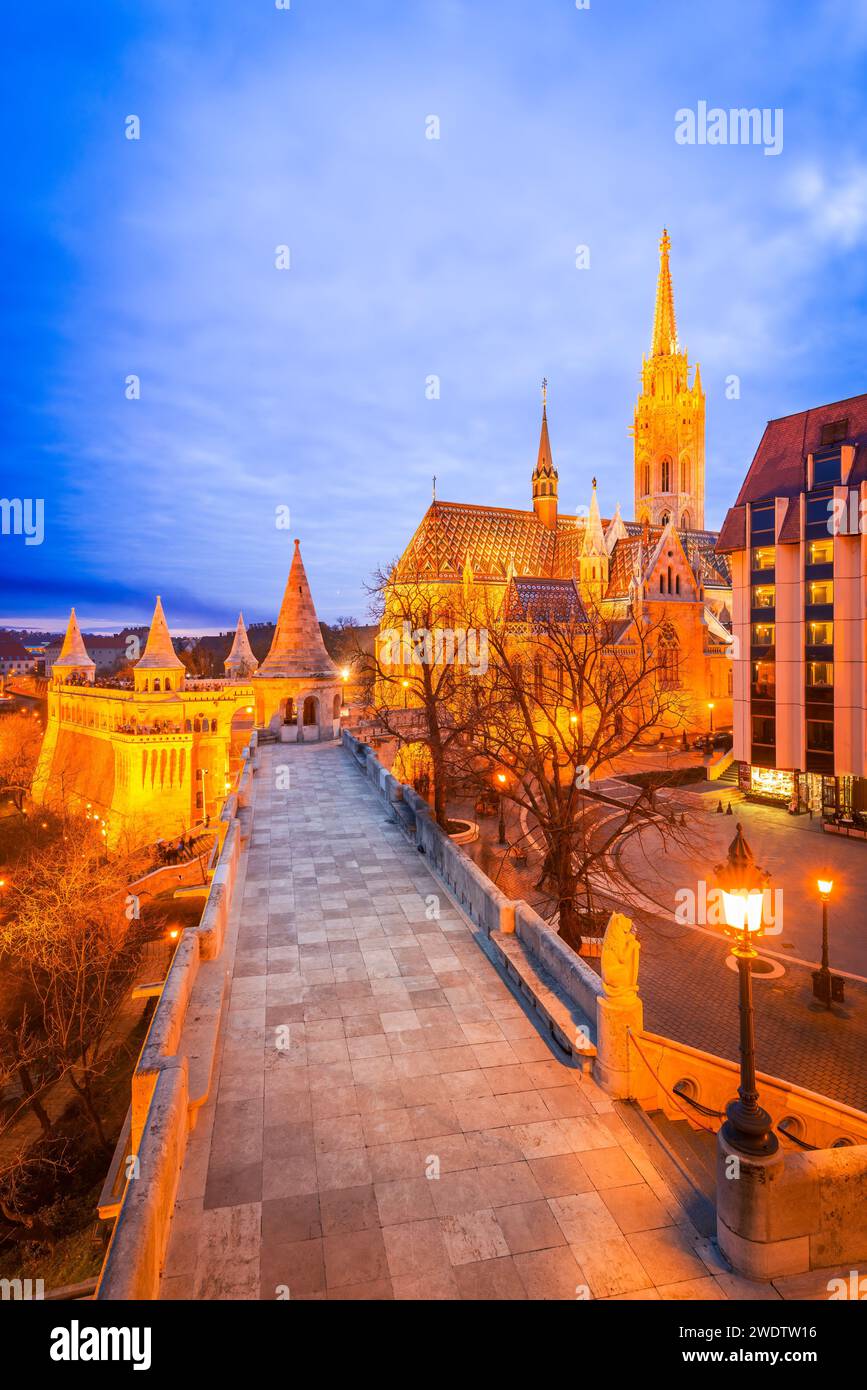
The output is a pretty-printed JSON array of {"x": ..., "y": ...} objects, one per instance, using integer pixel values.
[
  {"x": 155, "y": 755},
  {"x": 798, "y": 552},
  {"x": 663, "y": 559}
]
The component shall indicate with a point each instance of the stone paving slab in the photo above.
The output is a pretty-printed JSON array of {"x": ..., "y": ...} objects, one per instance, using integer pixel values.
[{"x": 386, "y": 1121}]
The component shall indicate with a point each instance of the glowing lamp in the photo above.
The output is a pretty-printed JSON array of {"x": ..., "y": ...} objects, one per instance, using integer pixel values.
[
  {"x": 249, "y": 709},
  {"x": 173, "y": 934},
  {"x": 501, "y": 778},
  {"x": 742, "y": 887},
  {"x": 345, "y": 673},
  {"x": 573, "y": 719},
  {"x": 825, "y": 886}
]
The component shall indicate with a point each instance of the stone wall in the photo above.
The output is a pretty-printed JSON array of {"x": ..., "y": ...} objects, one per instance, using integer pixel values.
[{"x": 167, "y": 1084}]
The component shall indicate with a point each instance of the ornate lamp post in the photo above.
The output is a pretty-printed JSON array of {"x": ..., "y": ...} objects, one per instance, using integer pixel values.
[
  {"x": 825, "y": 985},
  {"x": 501, "y": 829},
  {"x": 710, "y": 707},
  {"x": 742, "y": 883}
]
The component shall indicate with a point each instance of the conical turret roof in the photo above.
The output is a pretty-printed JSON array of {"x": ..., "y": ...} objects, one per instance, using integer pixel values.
[
  {"x": 73, "y": 653},
  {"x": 159, "y": 653},
  {"x": 297, "y": 648},
  {"x": 241, "y": 656},
  {"x": 593, "y": 542}
]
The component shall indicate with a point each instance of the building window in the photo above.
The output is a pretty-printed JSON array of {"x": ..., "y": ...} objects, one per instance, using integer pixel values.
[
  {"x": 763, "y": 634},
  {"x": 834, "y": 431},
  {"x": 764, "y": 730},
  {"x": 764, "y": 595},
  {"x": 669, "y": 660},
  {"x": 645, "y": 479},
  {"x": 820, "y": 634},
  {"x": 666, "y": 475},
  {"x": 665, "y": 518},
  {"x": 685, "y": 521},
  {"x": 764, "y": 557},
  {"x": 684, "y": 475},
  {"x": 820, "y": 674},
  {"x": 820, "y": 735},
  {"x": 763, "y": 680},
  {"x": 820, "y": 552},
  {"x": 820, "y": 591}
]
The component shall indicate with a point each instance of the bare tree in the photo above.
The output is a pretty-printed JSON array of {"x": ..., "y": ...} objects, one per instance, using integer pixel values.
[
  {"x": 569, "y": 692},
  {"x": 20, "y": 741},
  {"x": 66, "y": 939},
  {"x": 424, "y": 679}
]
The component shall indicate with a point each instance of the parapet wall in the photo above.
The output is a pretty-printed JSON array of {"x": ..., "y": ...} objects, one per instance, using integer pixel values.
[{"x": 167, "y": 1084}]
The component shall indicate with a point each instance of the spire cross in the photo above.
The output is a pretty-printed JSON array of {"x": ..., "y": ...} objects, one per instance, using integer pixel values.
[
  {"x": 544, "y": 392},
  {"x": 434, "y": 487}
]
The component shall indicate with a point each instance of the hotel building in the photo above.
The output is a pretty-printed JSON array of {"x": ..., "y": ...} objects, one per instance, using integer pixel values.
[{"x": 798, "y": 557}]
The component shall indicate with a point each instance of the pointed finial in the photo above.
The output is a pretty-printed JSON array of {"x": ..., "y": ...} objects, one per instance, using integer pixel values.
[
  {"x": 594, "y": 484},
  {"x": 434, "y": 487},
  {"x": 544, "y": 394}
]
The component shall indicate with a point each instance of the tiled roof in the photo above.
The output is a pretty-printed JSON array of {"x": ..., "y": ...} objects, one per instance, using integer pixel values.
[
  {"x": 551, "y": 600},
  {"x": 493, "y": 538}
]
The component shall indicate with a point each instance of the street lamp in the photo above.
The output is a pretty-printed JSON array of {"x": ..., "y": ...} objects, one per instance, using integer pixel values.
[
  {"x": 710, "y": 707},
  {"x": 501, "y": 829},
  {"x": 825, "y": 985},
  {"x": 405, "y": 685},
  {"x": 742, "y": 885}
]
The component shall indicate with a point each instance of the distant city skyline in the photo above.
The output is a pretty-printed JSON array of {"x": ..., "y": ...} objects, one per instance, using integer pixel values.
[{"x": 410, "y": 258}]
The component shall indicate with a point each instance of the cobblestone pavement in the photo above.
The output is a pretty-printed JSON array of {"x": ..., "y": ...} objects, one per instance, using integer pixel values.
[
  {"x": 386, "y": 1121},
  {"x": 690, "y": 993}
]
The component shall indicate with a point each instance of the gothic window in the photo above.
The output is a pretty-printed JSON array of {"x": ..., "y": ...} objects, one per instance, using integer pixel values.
[
  {"x": 665, "y": 518},
  {"x": 645, "y": 479},
  {"x": 666, "y": 475},
  {"x": 669, "y": 661},
  {"x": 677, "y": 583},
  {"x": 685, "y": 521},
  {"x": 684, "y": 475}
]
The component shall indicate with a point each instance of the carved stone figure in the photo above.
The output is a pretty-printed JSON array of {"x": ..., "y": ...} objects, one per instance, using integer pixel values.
[{"x": 620, "y": 949}]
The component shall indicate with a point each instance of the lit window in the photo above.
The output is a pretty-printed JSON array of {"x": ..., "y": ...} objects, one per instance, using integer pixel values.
[
  {"x": 763, "y": 634},
  {"x": 820, "y": 634},
  {"x": 764, "y": 557},
  {"x": 820, "y": 591},
  {"x": 820, "y": 552},
  {"x": 764, "y": 595},
  {"x": 820, "y": 673}
]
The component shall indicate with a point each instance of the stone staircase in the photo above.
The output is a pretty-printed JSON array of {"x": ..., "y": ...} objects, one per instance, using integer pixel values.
[{"x": 684, "y": 1155}]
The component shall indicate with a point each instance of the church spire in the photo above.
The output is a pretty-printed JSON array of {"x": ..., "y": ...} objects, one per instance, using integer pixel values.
[
  {"x": 159, "y": 667},
  {"x": 545, "y": 474},
  {"x": 664, "y": 325}
]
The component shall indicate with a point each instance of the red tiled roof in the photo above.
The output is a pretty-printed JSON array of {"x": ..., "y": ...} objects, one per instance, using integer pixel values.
[{"x": 546, "y": 600}]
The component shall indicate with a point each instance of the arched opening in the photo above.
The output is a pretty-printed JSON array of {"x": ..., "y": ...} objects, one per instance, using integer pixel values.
[
  {"x": 685, "y": 521},
  {"x": 188, "y": 726},
  {"x": 156, "y": 683},
  {"x": 665, "y": 518},
  {"x": 309, "y": 716},
  {"x": 206, "y": 726},
  {"x": 290, "y": 714},
  {"x": 336, "y": 708}
]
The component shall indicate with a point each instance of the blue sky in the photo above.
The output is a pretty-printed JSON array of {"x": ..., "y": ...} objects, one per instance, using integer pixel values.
[{"x": 305, "y": 388}]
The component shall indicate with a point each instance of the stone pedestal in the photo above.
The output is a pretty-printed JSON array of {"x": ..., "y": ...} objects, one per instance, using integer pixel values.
[
  {"x": 612, "y": 1069},
  {"x": 762, "y": 1217}
]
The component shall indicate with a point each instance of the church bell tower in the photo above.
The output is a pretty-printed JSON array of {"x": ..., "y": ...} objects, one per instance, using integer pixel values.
[{"x": 668, "y": 428}]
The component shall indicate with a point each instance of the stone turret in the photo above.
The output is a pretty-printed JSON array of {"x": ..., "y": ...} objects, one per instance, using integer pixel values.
[
  {"x": 298, "y": 690},
  {"x": 240, "y": 662},
  {"x": 73, "y": 659},
  {"x": 159, "y": 667}
]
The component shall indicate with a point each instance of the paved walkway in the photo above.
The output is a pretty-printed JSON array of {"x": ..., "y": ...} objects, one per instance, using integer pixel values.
[{"x": 386, "y": 1121}]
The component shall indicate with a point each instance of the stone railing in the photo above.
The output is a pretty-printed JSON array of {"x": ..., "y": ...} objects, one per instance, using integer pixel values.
[
  {"x": 172, "y": 1074},
  {"x": 802, "y": 1208}
]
